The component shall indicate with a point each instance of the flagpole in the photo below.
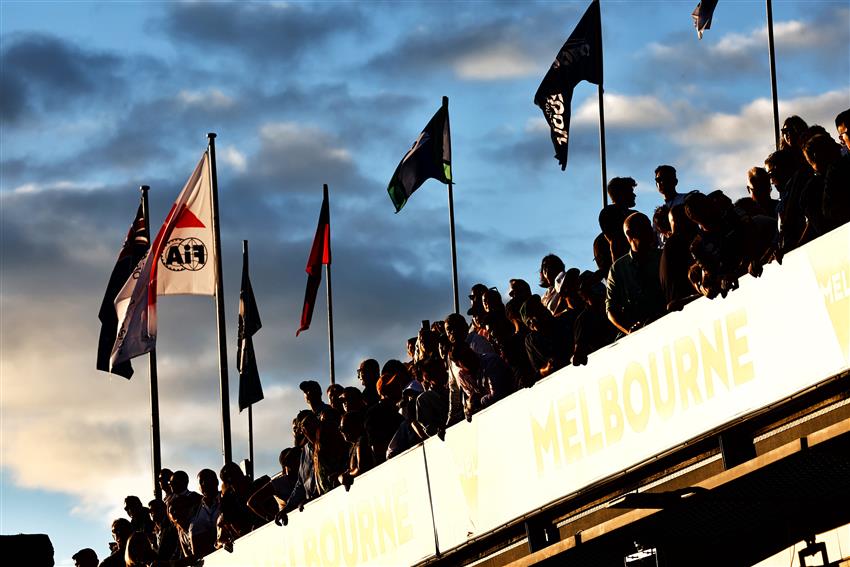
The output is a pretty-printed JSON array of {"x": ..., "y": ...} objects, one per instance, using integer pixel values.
[
  {"x": 219, "y": 300},
  {"x": 251, "y": 406},
  {"x": 773, "y": 90},
  {"x": 330, "y": 294},
  {"x": 156, "y": 455},
  {"x": 599, "y": 91},
  {"x": 452, "y": 228}
]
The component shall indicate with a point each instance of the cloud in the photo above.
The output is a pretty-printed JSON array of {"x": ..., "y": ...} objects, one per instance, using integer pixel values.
[
  {"x": 234, "y": 158},
  {"x": 44, "y": 72},
  {"x": 731, "y": 143},
  {"x": 624, "y": 111},
  {"x": 501, "y": 62},
  {"x": 268, "y": 34}
]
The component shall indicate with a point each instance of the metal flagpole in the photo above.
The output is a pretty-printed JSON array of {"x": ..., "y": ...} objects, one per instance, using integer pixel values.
[
  {"x": 600, "y": 90},
  {"x": 219, "y": 300},
  {"x": 330, "y": 292},
  {"x": 156, "y": 455},
  {"x": 773, "y": 72},
  {"x": 452, "y": 228}
]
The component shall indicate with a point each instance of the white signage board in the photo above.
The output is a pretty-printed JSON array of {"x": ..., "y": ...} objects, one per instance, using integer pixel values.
[
  {"x": 685, "y": 374},
  {"x": 385, "y": 519}
]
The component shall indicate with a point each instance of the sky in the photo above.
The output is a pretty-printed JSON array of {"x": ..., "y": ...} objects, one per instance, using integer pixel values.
[{"x": 99, "y": 98}]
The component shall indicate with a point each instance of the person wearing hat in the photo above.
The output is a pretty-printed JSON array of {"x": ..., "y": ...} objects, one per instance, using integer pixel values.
[{"x": 85, "y": 557}]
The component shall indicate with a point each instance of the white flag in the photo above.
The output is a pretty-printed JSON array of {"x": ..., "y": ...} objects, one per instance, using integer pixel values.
[{"x": 181, "y": 261}]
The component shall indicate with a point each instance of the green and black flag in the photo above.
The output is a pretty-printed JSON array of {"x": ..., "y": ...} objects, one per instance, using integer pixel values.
[
  {"x": 250, "y": 389},
  {"x": 580, "y": 59},
  {"x": 430, "y": 157}
]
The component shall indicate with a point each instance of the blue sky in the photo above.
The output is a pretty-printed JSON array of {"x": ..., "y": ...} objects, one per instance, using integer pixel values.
[{"x": 99, "y": 98}]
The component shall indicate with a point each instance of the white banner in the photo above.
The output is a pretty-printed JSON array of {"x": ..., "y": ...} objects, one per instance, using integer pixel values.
[
  {"x": 385, "y": 519},
  {"x": 686, "y": 374}
]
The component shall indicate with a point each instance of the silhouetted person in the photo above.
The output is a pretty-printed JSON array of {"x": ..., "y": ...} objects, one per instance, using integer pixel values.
[
  {"x": 828, "y": 193},
  {"x": 164, "y": 481},
  {"x": 549, "y": 342},
  {"x": 139, "y": 515},
  {"x": 784, "y": 169},
  {"x": 432, "y": 406},
  {"x": 121, "y": 530},
  {"x": 550, "y": 267},
  {"x": 758, "y": 185},
  {"x": 592, "y": 329},
  {"x": 265, "y": 501},
  {"x": 842, "y": 124},
  {"x": 313, "y": 396},
  {"x": 621, "y": 191},
  {"x": 666, "y": 181},
  {"x": 792, "y": 130},
  {"x": 634, "y": 295},
  {"x": 368, "y": 373},
  {"x": 519, "y": 289},
  {"x": 305, "y": 488},
  {"x": 676, "y": 260},
  {"x": 85, "y": 557},
  {"x": 360, "y": 457},
  {"x": 165, "y": 539}
]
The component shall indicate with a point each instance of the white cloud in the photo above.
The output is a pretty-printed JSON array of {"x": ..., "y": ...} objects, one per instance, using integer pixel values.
[
  {"x": 624, "y": 111},
  {"x": 792, "y": 34},
  {"x": 494, "y": 63},
  {"x": 212, "y": 98},
  {"x": 723, "y": 146},
  {"x": 234, "y": 158}
]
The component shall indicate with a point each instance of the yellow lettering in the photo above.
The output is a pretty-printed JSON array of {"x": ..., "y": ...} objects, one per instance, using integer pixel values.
[
  {"x": 348, "y": 536},
  {"x": 329, "y": 544},
  {"x": 402, "y": 515},
  {"x": 545, "y": 439},
  {"x": 742, "y": 372},
  {"x": 311, "y": 548},
  {"x": 713, "y": 359},
  {"x": 592, "y": 441},
  {"x": 686, "y": 370},
  {"x": 386, "y": 524},
  {"x": 663, "y": 406},
  {"x": 635, "y": 375},
  {"x": 569, "y": 428},
  {"x": 612, "y": 415},
  {"x": 364, "y": 530}
]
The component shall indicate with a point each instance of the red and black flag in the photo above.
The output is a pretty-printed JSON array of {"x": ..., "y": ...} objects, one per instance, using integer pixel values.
[
  {"x": 133, "y": 251},
  {"x": 702, "y": 15},
  {"x": 320, "y": 254},
  {"x": 580, "y": 59},
  {"x": 250, "y": 388}
]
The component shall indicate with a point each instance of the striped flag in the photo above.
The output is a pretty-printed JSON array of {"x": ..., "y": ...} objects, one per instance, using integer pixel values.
[{"x": 320, "y": 254}]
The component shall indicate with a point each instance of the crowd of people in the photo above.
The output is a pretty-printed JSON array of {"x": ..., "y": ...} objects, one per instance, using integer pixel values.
[{"x": 694, "y": 245}]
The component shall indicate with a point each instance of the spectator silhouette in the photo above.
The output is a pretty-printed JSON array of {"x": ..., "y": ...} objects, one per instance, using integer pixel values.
[{"x": 666, "y": 181}]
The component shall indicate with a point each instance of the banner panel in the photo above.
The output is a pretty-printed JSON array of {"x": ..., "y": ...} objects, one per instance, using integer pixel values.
[
  {"x": 385, "y": 519},
  {"x": 686, "y": 374}
]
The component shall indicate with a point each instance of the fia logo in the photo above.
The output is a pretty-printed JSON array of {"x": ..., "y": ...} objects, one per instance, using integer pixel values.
[{"x": 184, "y": 254}]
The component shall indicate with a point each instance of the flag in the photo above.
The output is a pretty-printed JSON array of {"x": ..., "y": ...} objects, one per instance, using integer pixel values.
[
  {"x": 184, "y": 246},
  {"x": 702, "y": 15},
  {"x": 429, "y": 157},
  {"x": 250, "y": 389},
  {"x": 132, "y": 252},
  {"x": 580, "y": 59},
  {"x": 320, "y": 254}
]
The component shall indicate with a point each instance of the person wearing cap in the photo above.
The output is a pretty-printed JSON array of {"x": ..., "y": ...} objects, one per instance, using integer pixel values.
[
  {"x": 313, "y": 396},
  {"x": 550, "y": 267},
  {"x": 85, "y": 557},
  {"x": 383, "y": 419}
]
